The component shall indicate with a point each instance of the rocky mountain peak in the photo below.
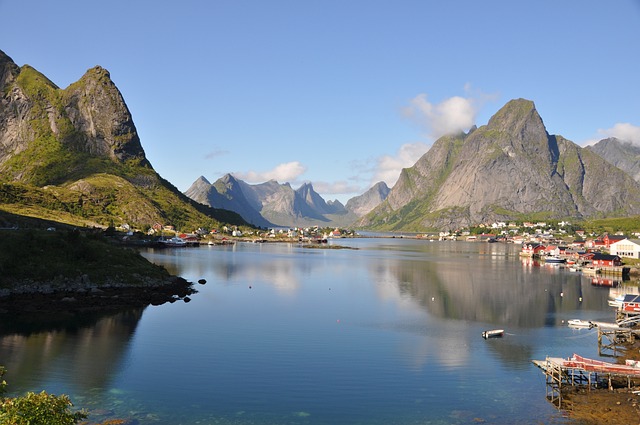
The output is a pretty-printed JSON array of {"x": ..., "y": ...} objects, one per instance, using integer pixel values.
[
  {"x": 503, "y": 170},
  {"x": 363, "y": 204},
  {"x": 8, "y": 69},
  {"x": 519, "y": 118},
  {"x": 202, "y": 180},
  {"x": 624, "y": 155},
  {"x": 96, "y": 107}
]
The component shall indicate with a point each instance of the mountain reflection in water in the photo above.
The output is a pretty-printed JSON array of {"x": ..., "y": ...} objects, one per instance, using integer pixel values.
[{"x": 33, "y": 351}]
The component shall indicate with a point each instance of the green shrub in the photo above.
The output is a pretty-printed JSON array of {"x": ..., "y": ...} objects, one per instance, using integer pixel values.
[{"x": 39, "y": 409}]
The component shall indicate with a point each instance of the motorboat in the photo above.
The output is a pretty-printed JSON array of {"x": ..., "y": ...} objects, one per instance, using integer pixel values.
[
  {"x": 552, "y": 259},
  {"x": 495, "y": 333},
  {"x": 578, "y": 323}
]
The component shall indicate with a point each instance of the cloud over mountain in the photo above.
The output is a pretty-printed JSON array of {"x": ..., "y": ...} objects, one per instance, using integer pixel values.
[{"x": 288, "y": 171}]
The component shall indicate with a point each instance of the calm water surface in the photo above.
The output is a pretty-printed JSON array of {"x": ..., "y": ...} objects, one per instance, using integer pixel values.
[{"x": 386, "y": 333}]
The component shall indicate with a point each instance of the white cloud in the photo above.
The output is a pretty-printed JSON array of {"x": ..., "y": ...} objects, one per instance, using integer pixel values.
[
  {"x": 336, "y": 188},
  {"x": 450, "y": 116},
  {"x": 388, "y": 167},
  {"x": 215, "y": 153},
  {"x": 283, "y": 173},
  {"x": 623, "y": 131}
]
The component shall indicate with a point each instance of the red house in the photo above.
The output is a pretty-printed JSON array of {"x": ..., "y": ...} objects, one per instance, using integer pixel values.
[{"x": 605, "y": 260}]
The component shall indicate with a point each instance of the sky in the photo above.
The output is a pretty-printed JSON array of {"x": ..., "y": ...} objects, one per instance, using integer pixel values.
[{"x": 340, "y": 94}]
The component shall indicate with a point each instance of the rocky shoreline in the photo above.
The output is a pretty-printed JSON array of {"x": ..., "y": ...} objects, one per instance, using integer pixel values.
[{"x": 81, "y": 296}]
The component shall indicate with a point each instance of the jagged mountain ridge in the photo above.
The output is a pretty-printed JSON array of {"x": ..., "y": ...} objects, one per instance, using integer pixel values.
[
  {"x": 624, "y": 155},
  {"x": 363, "y": 204},
  {"x": 75, "y": 154},
  {"x": 270, "y": 203},
  {"x": 508, "y": 169}
]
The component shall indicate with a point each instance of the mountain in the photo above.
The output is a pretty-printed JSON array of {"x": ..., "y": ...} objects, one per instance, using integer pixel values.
[
  {"x": 74, "y": 155},
  {"x": 363, "y": 204},
  {"x": 624, "y": 155},
  {"x": 227, "y": 193},
  {"x": 270, "y": 204},
  {"x": 509, "y": 169}
]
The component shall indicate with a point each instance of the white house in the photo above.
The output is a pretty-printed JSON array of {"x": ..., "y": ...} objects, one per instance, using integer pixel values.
[{"x": 629, "y": 248}]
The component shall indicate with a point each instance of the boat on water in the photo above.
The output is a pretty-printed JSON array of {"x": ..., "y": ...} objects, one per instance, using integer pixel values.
[
  {"x": 617, "y": 301},
  {"x": 494, "y": 333},
  {"x": 174, "y": 242},
  {"x": 552, "y": 259},
  {"x": 578, "y": 323}
]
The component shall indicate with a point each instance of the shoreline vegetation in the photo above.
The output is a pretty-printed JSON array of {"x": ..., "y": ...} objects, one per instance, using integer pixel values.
[{"x": 72, "y": 271}]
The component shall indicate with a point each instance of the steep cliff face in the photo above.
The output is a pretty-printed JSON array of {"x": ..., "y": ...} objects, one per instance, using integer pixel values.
[
  {"x": 507, "y": 169},
  {"x": 76, "y": 151},
  {"x": 624, "y": 155},
  {"x": 44, "y": 128},
  {"x": 363, "y": 204},
  {"x": 227, "y": 193},
  {"x": 102, "y": 120}
]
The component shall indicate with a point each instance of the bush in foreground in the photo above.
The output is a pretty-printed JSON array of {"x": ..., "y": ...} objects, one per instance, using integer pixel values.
[{"x": 36, "y": 409}]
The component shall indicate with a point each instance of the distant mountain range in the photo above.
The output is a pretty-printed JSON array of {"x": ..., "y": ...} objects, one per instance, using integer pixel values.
[
  {"x": 272, "y": 204},
  {"x": 74, "y": 155},
  {"x": 623, "y": 155}
]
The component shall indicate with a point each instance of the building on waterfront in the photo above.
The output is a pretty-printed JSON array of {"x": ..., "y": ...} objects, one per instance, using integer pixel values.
[{"x": 629, "y": 248}]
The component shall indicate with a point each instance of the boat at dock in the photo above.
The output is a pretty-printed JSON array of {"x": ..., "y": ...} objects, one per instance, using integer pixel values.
[
  {"x": 174, "y": 242},
  {"x": 495, "y": 333},
  {"x": 552, "y": 259}
]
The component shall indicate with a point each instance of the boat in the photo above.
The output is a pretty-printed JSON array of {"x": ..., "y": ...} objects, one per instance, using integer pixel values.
[
  {"x": 495, "y": 333},
  {"x": 551, "y": 259},
  {"x": 578, "y": 323},
  {"x": 617, "y": 301},
  {"x": 172, "y": 242}
]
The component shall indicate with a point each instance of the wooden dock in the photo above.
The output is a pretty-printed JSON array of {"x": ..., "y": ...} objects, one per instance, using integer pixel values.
[{"x": 581, "y": 371}]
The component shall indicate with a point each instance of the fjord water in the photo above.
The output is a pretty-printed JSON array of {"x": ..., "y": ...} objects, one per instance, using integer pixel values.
[{"x": 388, "y": 332}]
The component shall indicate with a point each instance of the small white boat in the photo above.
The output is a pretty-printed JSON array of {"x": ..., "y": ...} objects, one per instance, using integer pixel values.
[
  {"x": 173, "y": 242},
  {"x": 577, "y": 323},
  {"x": 551, "y": 259},
  {"x": 495, "y": 333}
]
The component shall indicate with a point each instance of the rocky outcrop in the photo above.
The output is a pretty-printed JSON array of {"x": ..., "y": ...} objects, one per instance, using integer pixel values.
[
  {"x": 363, "y": 204},
  {"x": 504, "y": 170},
  {"x": 624, "y": 155},
  {"x": 101, "y": 118}
]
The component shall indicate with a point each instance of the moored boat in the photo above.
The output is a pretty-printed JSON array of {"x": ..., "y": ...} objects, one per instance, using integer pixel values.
[
  {"x": 578, "y": 323},
  {"x": 552, "y": 259},
  {"x": 174, "y": 242},
  {"x": 494, "y": 333}
]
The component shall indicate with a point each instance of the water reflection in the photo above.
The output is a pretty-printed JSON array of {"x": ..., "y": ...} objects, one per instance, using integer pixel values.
[
  {"x": 491, "y": 288},
  {"x": 88, "y": 350}
]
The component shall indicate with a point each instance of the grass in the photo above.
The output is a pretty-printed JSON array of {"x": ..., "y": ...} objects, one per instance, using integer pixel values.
[{"x": 33, "y": 255}]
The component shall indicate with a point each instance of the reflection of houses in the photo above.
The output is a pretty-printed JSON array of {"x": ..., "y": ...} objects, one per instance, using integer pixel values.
[
  {"x": 531, "y": 249},
  {"x": 604, "y": 281},
  {"x": 629, "y": 248}
]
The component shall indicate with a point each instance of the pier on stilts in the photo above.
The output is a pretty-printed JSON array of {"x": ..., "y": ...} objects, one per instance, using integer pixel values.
[
  {"x": 580, "y": 371},
  {"x": 613, "y": 336}
]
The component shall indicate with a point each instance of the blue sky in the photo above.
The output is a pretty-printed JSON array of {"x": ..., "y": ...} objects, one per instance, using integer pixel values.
[{"x": 341, "y": 94}]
